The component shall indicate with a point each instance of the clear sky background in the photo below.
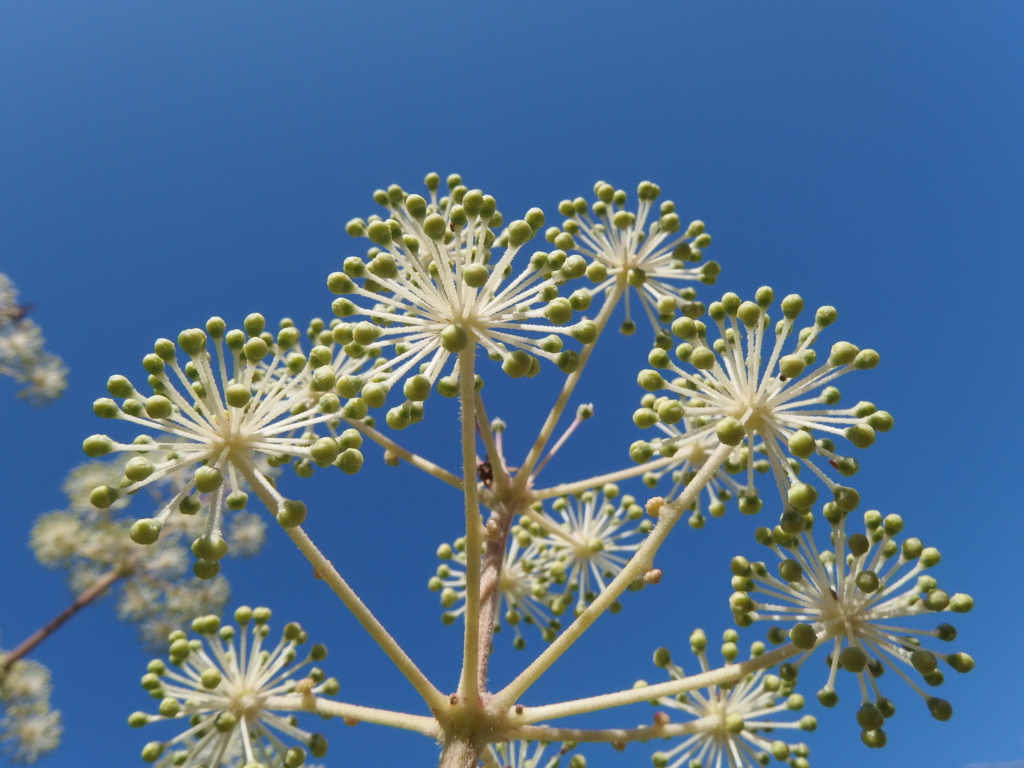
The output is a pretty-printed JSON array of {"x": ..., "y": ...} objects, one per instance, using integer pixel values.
[{"x": 164, "y": 162}]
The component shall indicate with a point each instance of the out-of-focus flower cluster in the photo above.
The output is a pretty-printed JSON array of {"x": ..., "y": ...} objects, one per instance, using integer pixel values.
[
  {"x": 29, "y": 728},
  {"x": 22, "y": 356},
  {"x": 157, "y": 593}
]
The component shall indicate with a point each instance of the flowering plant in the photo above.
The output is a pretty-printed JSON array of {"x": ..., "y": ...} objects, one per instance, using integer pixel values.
[{"x": 733, "y": 392}]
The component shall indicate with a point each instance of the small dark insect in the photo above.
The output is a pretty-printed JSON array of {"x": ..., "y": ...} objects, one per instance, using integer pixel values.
[
  {"x": 485, "y": 472},
  {"x": 782, "y": 378}
]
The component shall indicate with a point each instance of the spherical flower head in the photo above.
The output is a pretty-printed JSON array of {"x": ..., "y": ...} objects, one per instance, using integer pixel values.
[
  {"x": 218, "y": 415},
  {"x": 649, "y": 248},
  {"x": 589, "y": 540},
  {"x": 775, "y": 407},
  {"x": 29, "y": 731},
  {"x": 227, "y": 686},
  {"x": 533, "y": 754},
  {"x": 523, "y": 587},
  {"x": 25, "y": 682},
  {"x": 45, "y": 379},
  {"x": 432, "y": 287},
  {"x": 731, "y": 722},
  {"x": 852, "y": 600},
  {"x": 20, "y": 342}
]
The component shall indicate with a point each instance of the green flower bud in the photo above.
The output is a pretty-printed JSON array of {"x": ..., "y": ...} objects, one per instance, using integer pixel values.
[
  {"x": 650, "y": 380},
  {"x": 940, "y": 709},
  {"x": 729, "y": 430},
  {"x": 585, "y": 331},
  {"x": 152, "y": 751},
  {"x": 641, "y": 451},
  {"x": 103, "y": 497},
  {"x": 454, "y": 339},
  {"x": 961, "y": 603},
  {"x": 865, "y": 359},
  {"x": 145, "y": 531},
  {"x": 802, "y": 496},
  {"x": 568, "y": 361},
  {"x": 558, "y": 311},
  {"x": 517, "y": 363},
  {"x": 853, "y": 659},
  {"x": 349, "y": 461},
  {"x": 791, "y": 366},
  {"x": 97, "y": 445},
  {"x": 803, "y": 636},
  {"x": 210, "y": 548},
  {"x": 702, "y": 358},
  {"x": 208, "y": 479}
]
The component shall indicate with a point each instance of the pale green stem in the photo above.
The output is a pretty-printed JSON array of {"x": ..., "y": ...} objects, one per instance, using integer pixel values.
[
  {"x": 523, "y": 475},
  {"x": 637, "y": 566},
  {"x": 459, "y": 754},
  {"x": 426, "y": 725},
  {"x": 618, "y": 735},
  {"x": 417, "y": 461},
  {"x": 326, "y": 571},
  {"x": 468, "y": 684},
  {"x": 568, "y": 489},
  {"x": 730, "y": 673}
]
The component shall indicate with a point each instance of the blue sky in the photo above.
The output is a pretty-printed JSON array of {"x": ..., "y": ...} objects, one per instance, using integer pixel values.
[{"x": 164, "y": 162}]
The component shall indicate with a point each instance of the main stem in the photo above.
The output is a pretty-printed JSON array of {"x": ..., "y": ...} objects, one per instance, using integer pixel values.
[
  {"x": 30, "y": 642},
  {"x": 469, "y": 685}
]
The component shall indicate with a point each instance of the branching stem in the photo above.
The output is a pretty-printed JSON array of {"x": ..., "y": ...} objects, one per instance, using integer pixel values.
[
  {"x": 617, "y": 735},
  {"x": 417, "y": 461},
  {"x": 578, "y": 486},
  {"x": 326, "y": 570},
  {"x": 639, "y": 564},
  {"x": 29, "y": 643},
  {"x": 570, "y": 384},
  {"x": 723, "y": 675},
  {"x": 420, "y": 724}
]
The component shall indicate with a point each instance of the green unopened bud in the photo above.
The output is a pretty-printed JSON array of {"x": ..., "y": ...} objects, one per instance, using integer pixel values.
[
  {"x": 853, "y": 659},
  {"x": 729, "y": 430},
  {"x": 292, "y": 513},
  {"x": 103, "y": 497},
  {"x": 210, "y": 548},
  {"x": 349, "y": 461},
  {"x": 803, "y": 636},
  {"x": 145, "y": 531},
  {"x": 961, "y": 603},
  {"x": 208, "y": 479},
  {"x": 152, "y": 751},
  {"x": 454, "y": 339},
  {"x": 940, "y": 709}
]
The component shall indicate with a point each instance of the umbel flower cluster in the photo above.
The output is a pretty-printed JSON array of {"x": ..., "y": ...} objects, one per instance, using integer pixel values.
[
  {"x": 29, "y": 728},
  {"x": 228, "y": 689},
  {"x": 553, "y": 563},
  {"x": 733, "y": 391},
  {"x": 730, "y": 724}
]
